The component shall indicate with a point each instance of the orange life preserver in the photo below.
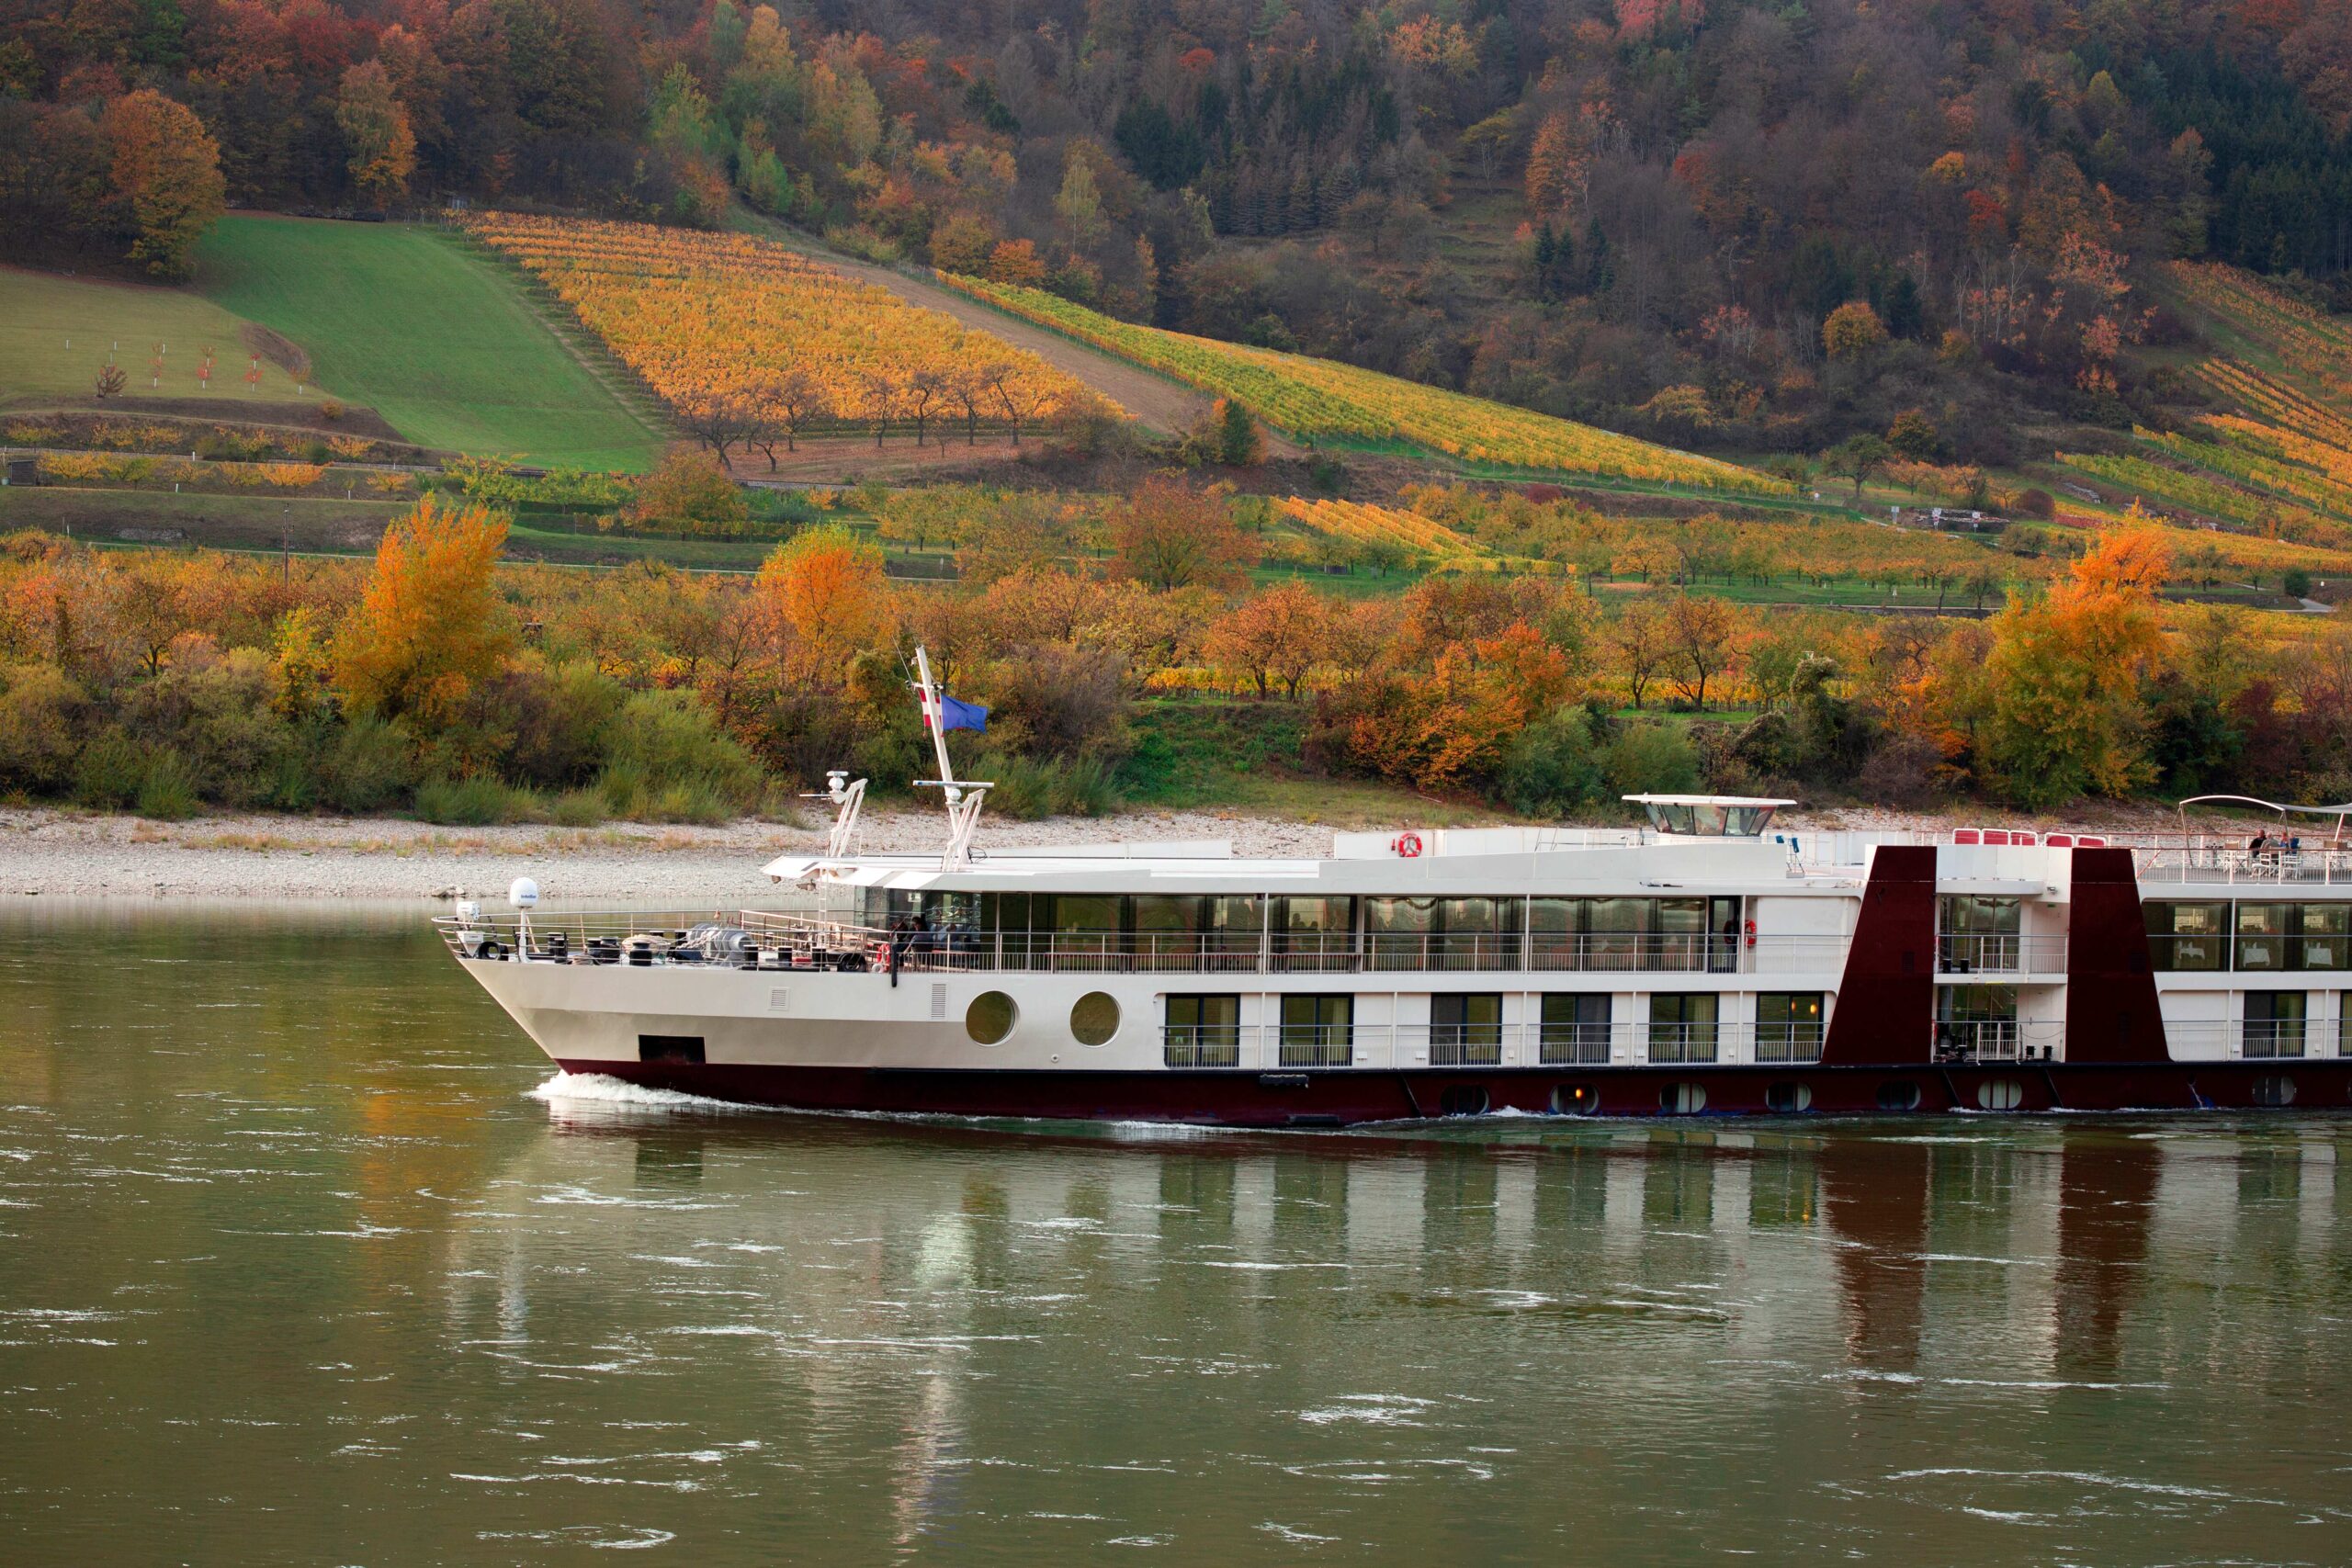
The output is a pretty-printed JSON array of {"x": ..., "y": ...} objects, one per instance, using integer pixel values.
[
  {"x": 1751, "y": 934},
  {"x": 1408, "y": 844}
]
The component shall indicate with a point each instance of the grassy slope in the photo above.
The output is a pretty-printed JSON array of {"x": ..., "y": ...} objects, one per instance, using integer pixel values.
[
  {"x": 1201, "y": 753},
  {"x": 402, "y": 317},
  {"x": 55, "y": 333}
]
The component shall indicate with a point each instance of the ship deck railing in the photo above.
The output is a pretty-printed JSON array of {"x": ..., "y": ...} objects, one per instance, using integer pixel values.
[{"x": 765, "y": 941}]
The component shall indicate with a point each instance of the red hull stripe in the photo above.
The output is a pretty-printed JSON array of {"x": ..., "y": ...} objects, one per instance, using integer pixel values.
[{"x": 1341, "y": 1099}]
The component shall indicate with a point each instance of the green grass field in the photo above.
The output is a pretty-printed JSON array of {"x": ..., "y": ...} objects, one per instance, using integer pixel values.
[
  {"x": 56, "y": 334},
  {"x": 403, "y": 319}
]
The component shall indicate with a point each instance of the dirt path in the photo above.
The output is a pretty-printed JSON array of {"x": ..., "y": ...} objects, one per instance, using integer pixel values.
[{"x": 1157, "y": 403}]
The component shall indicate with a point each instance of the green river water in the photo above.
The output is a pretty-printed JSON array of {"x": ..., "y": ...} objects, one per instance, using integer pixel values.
[{"x": 302, "y": 1260}]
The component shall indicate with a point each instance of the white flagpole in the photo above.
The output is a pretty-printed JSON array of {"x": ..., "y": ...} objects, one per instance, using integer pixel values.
[{"x": 935, "y": 716}]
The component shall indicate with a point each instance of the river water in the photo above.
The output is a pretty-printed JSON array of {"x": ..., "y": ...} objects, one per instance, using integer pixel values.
[{"x": 302, "y": 1259}]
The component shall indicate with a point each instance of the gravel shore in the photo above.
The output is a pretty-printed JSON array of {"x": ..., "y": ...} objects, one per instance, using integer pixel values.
[
  {"x": 75, "y": 854},
  {"x": 79, "y": 854}
]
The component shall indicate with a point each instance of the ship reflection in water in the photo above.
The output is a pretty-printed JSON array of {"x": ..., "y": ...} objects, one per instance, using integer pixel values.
[{"x": 294, "y": 1267}]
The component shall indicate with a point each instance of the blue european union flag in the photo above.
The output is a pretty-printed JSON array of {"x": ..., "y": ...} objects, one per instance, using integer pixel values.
[{"x": 953, "y": 714}]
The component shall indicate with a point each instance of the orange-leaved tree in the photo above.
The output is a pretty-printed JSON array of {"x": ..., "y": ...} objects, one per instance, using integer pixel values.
[
  {"x": 428, "y": 627},
  {"x": 2063, "y": 680},
  {"x": 1277, "y": 635},
  {"x": 167, "y": 170},
  {"x": 1171, "y": 534},
  {"x": 828, "y": 586}
]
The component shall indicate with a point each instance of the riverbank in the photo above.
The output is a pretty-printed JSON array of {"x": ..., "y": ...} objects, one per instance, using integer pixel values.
[{"x": 50, "y": 853}]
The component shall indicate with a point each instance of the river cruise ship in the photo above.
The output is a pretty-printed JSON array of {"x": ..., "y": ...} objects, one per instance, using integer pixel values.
[{"x": 1710, "y": 962}]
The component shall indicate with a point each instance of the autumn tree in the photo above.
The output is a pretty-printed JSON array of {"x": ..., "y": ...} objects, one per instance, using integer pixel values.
[
  {"x": 1276, "y": 635},
  {"x": 1702, "y": 631},
  {"x": 166, "y": 173},
  {"x": 376, "y": 125},
  {"x": 1852, "y": 328},
  {"x": 688, "y": 487},
  {"x": 782, "y": 407},
  {"x": 1239, "y": 444},
  {"x": 428, "y": 627},
  {"x": 1171, "y": 534},
  {"x": 828, "y": 585},
  {"x": 719, "y": 421},
  {"x": 1640, "y": 638},
  {"x": 1857, "y": 458}
]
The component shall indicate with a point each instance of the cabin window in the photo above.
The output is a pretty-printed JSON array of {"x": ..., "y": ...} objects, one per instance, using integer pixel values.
[
  {"x": 2323, "y": 941},
  {"x": 1788, "y": 1026},
  {"x": 1318, "y": 1031},
  {"x": 1900, "y": 1095},
  {"x": 1614, "y": 935},
  {"x": 2188, "y": 936},
  {"x": 2265, "y": 937},
  {"x": 2274, "y": 1023},
  {"x": 991, "y": 1018},
  {"x": 1976, "y": 1021},
  {"x": 1203, "y": 1031},
  {"x": 1095, "y": 1018},
  {"x": 1682, "y": 1027},
  {"x": 1977, "y": 933},
  {"x": 1441, "y": 933},
  {"x": 1576, "y": 1029},
  {"x": 1466, "y": 1030},
  {"x": 1315, "y": 933}
]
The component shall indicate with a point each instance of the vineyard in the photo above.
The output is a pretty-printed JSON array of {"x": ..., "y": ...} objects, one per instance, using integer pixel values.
[
  {"x": 743, "y": 337},
  {"x": 1319, "y": 400}
]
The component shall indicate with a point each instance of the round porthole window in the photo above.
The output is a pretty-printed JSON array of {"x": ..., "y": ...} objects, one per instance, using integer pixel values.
[
  {"x": 1575, "y": 1100},
  {"x": 1900, "y": 1095},
  {"x": 1788, "y": 1097},
  {"x": 991, "y": 1018},
  {"x": 2000, "y": 1094},
  {"x": 2274, "y": 1089},
  {"x": 1094, "y": 1019},
  {"x": 1682, "y": 1099},
  {"x": 1462, "y": 1099}
]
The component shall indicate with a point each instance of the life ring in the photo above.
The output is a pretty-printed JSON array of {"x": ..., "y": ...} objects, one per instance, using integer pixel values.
[
  {"x": 1409, "y": 845},
  {"x": 1751, "y": 934}
]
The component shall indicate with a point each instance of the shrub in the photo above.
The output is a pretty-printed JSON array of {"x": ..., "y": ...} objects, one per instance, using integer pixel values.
[
  {"x": 1651, "y": 759},
  {"x": 108, "y": 772},
  {"x": 168, "y": 788},
  {"x": 331, "y": 409},
  {"x": 368, "y": 765},
  {"x": 669, "y": 737},
  {"x": 1029, "y": 787},
  {"x": 473, "y": 802},
  {"x": 577, "y": 809},
  {"x": 41, "y": 712},
  {"x": 1553, "y": 766}
]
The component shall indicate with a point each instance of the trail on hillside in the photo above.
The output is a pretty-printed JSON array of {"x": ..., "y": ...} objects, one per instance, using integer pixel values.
[{"x": 1156, "y": 401}]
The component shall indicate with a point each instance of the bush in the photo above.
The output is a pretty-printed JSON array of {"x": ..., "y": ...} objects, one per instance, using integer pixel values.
[
  {"x": 473, "y": 802},
  {"x": 109, "y": 771},
  {"x": 1029, "y": 787},
  {"x": 40, "y": 714},
  {"x": 1651, "y": 759},
  {"x": 1552, "y": 767},
  {"x": 368, "y": 765},
  {"x": 577, "y": 809},
  {"x": 669, "y": 737},
  {"x": 169, "y": 789}
]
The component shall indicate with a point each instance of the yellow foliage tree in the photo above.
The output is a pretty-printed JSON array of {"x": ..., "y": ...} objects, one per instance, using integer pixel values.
[{"x": 428, "y": 627}]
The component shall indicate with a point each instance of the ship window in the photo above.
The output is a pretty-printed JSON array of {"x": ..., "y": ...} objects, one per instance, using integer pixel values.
[
  {"x": 2274, "y": 1023},
  {"x": 1788, "y": 1026},
  {"x": 2188, "y": 936},
  {"x": 1682, "y": 1027},
  {"x": 1095, "y": 1018},
  {"x": 1466, "y": 1030},
  {"x": 991, "y": 1018},
  {"x": 1575, "y": 1100},
  {"x": 2266, "y": 937},
  {"x": 1787, "y": 1098},
  {"x": 1203, "y": 1031},
  {"x": 1576, "y": 1029},
  {"x": 1976, "y": 1021},
  {"x": 1682, "y": 1099},
  {"x": 1316, "y": 933},
  {"x": 1462, "y": 1099},
  {"x": 2000, "y": 1094},
  {"x": 1900, "y": 1095},
  {"x": 2324, "y": 936},
  {"x": 2274, "y": 1089},
  {"x": 1977, "y": 933},
  {"x": 1318, "y": 1031}
]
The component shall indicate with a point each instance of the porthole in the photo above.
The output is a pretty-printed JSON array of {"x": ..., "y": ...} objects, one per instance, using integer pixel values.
[
  {"x": 1788, "y": 1097},
  {"x": 1682, "y": 1099},
  {"x": 1575, "y": 1100},
  {"x": 2274, "y": 1089},
  {"x": 1462, "y": 1099},
  {"x": 1900, "y": 1095},
  {"x": 2000, "y": 1094},
  {"x": 991, "y": 1018},
  {"x": 1094, "y": 1019}
]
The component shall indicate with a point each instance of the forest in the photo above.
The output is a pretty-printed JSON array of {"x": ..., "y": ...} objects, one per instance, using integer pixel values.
[{"x": 1641, "y": 213}]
